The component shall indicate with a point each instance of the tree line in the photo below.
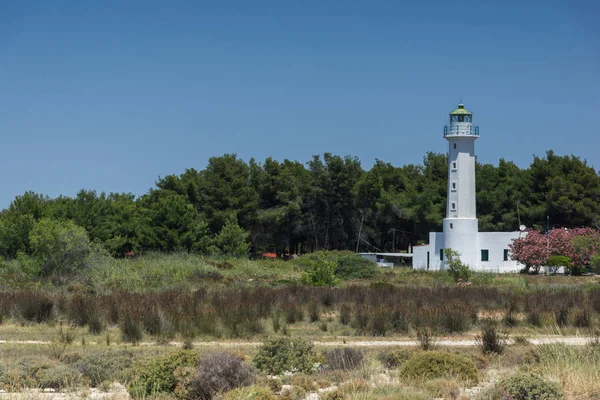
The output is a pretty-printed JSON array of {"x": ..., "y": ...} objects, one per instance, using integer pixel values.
[{"x": 285, "y": 207}]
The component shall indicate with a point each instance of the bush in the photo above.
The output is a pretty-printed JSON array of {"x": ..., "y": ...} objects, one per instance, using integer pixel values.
[
  {"x": 279, "y": 355},
  {"x": 491, "y": 340},
  {"x": 349, "y": 265},
  {"x": 529, "y": 387},
  {"x": 595, "y": 263},
  {"x": 156, "y": 375},
  {"x": 231, "y": 240},
  {"x": 582, "y": 318},
  {"x": 395, "y": 358},
  {"x": 104, "y": 366},
  {"x": 344, "y": 359},
  {"x": 60, "y": 377},
  {"x": 456, "y": 269},
  {"x": 219, "y": 373},
  {"x": 250, "y": 393},
  {"x": 61, "y": 246},
  {"x": 425, "y": 338},
  {"x": 352, "y": 266},
  {"x": 443, "y": 388},
  {"x": 131, "y": 329},
  {"x": 438, "y": 364},
  {"x": 320, "y": 271}
]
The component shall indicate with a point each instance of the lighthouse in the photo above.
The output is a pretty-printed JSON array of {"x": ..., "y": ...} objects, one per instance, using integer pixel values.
[
  {"x": 460, "y": 225},
  {"x": 481, "y": 251}
]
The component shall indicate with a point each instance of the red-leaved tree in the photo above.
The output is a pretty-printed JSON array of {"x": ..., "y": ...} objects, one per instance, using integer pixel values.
[{"x": 534, "y": 249}]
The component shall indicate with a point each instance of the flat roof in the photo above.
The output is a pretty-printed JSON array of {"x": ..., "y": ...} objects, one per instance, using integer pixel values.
[{"x": 405, "y": 255}]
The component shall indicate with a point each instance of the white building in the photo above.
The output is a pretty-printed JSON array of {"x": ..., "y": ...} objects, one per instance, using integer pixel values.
[{"x": 481, "y": 251}]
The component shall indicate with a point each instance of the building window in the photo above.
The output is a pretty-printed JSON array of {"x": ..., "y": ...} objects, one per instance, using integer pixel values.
[
  {"x": 453, "y": 206},
  {"x": 454, "y": 186},
  {"x": 427, "y": 260},
  {"x": 454, "y": 165},
  {"x": 441, "y": 254},
  {"x": 485, "y": 255},
  {"x": 505, "y": 254},
  {"x": 454, "y": 145}
]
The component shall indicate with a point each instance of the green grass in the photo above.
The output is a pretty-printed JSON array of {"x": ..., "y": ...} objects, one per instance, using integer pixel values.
[{"x": 183, "y": 271}]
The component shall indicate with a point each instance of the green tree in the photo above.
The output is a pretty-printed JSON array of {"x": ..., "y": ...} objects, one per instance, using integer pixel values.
[
  {"x": 225, "y": 188},
  {"x": 173, "y": 223},
  {"x": 232, "y": 240},
  {"x": 61, "y": 247},
  {"x": 279, "y": 219},
  {"x": 456, "y": 269}
]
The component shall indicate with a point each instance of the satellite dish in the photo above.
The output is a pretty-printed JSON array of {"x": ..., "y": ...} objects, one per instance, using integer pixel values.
[{"x": 522, "y": 228}]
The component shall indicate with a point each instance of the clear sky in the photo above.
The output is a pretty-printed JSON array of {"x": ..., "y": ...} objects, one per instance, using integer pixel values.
[{"x": 110, "y": 95}]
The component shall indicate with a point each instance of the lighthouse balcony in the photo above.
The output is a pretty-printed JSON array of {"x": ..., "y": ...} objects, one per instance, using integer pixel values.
[{"x": 461, "y": 131}]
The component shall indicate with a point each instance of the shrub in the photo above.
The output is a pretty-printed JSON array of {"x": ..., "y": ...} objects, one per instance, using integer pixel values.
[
  {"x": 313, "y": 311},
  {"x": 345, "y": 314},
  {"x": 395, "y": 358},
  {"x": 456, "y": 269},
  {"x": 595, "y": 263},
  {"x": 491, "y": 340},
  {"x": 320, "y": 271},
  {"x": 250, "y": 393},
  {"x": 443, "y": 388},
  {"x": 278, "y": 355},
  {"x": 104, "y": 366},
  {"x": 438, "y": 364},
  {"x": 555, "y": 262},
  {"x": 131, "y": 329},
  {"x": 60, "y": 377},
  {"x": 352, "y": 266},
  {"x": 582, "y": 318},
  {"x": 455, "y": 318},
  {"x": 303, "y": 381},
  {"x": 33, "y": 307},
  {"x": 425, "y": 338},
  {"x": 348, "y": 265},
  {"x": 61, "y": 246},
  {"x": 562, "y": 316},
  {"x": 529, "y": 387},
  {"x": 231, "y": 240},
  {"x": 219, "y": 373},
  {"x": 534, "y": 317},
  {"x": 344, "y": 359},
  {"x": 156, "y": 375}
]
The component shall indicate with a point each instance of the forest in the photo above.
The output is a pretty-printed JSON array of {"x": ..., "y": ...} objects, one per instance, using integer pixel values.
[{"x": 289, "y": 207}]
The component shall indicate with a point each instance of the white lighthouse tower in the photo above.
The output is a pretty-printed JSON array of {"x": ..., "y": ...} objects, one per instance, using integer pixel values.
[
  {"x": 481, "y": 251},
  {"x": 460, "y": 225}
]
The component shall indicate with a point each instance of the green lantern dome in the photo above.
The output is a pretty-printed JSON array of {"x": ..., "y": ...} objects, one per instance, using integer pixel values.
[{"x": 461, "y": 110}]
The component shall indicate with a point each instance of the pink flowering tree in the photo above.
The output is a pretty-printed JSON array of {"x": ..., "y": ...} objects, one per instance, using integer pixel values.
[{"x": 534, "y": 249}]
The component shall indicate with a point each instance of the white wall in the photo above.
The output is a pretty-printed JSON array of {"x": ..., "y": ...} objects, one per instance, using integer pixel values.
[
  {"x": 436, "y": 242},
  {"x": 496, "y": 243}
]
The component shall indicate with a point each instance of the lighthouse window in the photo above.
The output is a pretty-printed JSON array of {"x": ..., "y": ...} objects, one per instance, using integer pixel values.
[
  {"x": 441, "y": 254},
  {"x": 451, "y": 225},
  {"x": 467, "y": 118},
  {"x": 461, "y": 118},
  {"x": 454, "y": 145},
  {"x": 453, "y": 186},
  {"x": 453, "y": 206},
  {"x": 454, "y": 165}
]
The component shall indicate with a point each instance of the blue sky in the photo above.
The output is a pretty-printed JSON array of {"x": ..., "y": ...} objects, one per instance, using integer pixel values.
[{"x": 111, "y": 95}]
